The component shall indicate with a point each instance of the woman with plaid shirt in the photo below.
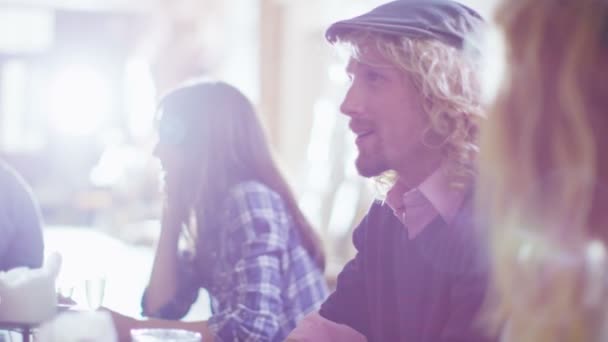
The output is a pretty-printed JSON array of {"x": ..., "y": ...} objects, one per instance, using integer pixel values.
[{"x": 251, "y": 247}]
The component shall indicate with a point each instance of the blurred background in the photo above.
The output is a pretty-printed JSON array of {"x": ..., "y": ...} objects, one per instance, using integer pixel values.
[{"x": 79, "y": 80}]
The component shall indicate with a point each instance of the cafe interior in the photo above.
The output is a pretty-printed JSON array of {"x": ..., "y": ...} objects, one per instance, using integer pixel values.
[{"x": 79, "y": 87}]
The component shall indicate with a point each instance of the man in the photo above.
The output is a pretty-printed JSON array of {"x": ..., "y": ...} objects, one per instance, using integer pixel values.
[
  {"x": 413, "y": 105},
  {"x": 21, "y": 241}
]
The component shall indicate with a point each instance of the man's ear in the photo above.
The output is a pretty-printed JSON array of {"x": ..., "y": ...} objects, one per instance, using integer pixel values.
[{"x": 433, "y": 139}]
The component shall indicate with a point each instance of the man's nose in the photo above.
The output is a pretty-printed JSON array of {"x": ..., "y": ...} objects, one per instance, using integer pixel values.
[{"x": 352, "y": 105}]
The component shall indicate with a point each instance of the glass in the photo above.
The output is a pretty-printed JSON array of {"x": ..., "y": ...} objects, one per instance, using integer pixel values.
[
  {"x": 64, "y": 297},
  {"x": 95, "y": 290},
  {"x": 167, "y": 335},
  {"x": 65, "y": 291}
]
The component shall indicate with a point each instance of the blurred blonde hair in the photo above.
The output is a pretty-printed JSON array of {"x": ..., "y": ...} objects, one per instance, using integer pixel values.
[
  {"x": 447, "y": 80},
  {"x": 542, "y": 175}
]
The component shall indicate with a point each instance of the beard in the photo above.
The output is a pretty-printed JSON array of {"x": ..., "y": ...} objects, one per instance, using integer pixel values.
[{"x": 371, "y": 165}]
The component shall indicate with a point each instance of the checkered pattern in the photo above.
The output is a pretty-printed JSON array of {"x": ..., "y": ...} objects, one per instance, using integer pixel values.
[{"x": 263, "y": 281}]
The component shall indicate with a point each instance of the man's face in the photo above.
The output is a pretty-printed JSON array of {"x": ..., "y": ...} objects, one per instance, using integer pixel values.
[{"x": 386, "y": 115}]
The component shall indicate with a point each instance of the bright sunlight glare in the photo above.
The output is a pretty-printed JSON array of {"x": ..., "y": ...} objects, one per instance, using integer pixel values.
[{"x": 80, "y": 100}]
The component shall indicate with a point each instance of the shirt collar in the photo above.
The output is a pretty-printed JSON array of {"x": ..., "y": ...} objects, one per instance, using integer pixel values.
[
  {"x": 434, "y": 196},
  {"x": 440, "y": 191}
]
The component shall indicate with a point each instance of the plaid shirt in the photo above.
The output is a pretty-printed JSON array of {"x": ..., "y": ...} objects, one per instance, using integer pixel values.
[{"x": 261, "y": 279}]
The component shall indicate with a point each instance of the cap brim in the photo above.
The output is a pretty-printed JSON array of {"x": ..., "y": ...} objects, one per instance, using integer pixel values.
[
  {"x": 442, "y": 20},
  {"x": 342, "y": 28}
]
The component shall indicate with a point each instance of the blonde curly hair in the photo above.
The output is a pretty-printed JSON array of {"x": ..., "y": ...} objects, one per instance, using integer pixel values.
[
  {"x": 447, "y": 79},
  {"x": 543, "y": 175}
]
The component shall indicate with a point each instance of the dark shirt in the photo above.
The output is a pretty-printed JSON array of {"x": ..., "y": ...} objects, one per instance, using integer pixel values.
[
  {"x": 21, "y": 242},
  {"x": 429, "y": 288}
]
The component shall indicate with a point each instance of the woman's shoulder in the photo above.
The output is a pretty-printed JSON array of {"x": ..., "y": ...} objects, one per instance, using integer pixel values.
[
  {"x": 13, "y": 186},
  {"x": 252, "y": 195},
  {"x": 251, "y": 188},
  {"x": 254, "y": 209},
  {"x": 9, "y": 178}
]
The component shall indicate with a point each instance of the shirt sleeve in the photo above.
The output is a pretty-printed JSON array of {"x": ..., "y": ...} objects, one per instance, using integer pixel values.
[
  {"x": 348, "y": 303},
  {"x": 257, "y": 238},
  {"x": 185, "y": 295}
]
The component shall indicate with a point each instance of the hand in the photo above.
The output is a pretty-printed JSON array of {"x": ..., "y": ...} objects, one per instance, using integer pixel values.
[
  {"x": 123, "y": 325},
  {"x": 182, "y": 193},
  {"x": 177, "y": 207},
  {"x": 173, "y": 218}
]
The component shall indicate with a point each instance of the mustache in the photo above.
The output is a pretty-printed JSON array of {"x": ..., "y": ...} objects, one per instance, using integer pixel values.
[{"x": 359, "y": 126}]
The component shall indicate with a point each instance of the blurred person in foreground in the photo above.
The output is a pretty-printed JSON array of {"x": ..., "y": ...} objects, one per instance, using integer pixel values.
[
  {"x": 414, "y": 106},
  {"x": 250, "y": 245},
  {"x": 544, "y": 172},
  {"x": 21, "y": 238}
]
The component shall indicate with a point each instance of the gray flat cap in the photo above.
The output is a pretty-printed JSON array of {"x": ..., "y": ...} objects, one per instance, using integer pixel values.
[{"x": 443, "y": 20}]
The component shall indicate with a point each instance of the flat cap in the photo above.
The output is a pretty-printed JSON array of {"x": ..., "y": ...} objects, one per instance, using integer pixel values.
[{"x": 444, "y": 20}]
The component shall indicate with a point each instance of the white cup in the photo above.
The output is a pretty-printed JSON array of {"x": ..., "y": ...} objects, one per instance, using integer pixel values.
[{"x": 166, "y": 335}]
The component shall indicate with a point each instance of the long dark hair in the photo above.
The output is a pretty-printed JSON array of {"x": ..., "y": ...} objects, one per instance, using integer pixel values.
[{"x": 223, "y": 143}]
